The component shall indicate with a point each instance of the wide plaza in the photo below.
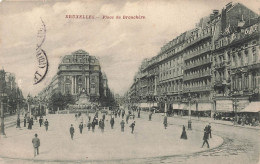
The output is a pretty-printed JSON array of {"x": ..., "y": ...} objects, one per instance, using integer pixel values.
[{"x": 149, "y": 140}]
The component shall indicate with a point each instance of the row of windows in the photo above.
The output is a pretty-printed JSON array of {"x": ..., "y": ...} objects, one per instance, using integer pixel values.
[
  {"x": 171, "y": 73},
  {"x": 200, "y": 47},
  {"x": 197, "y": 60},
  {"x": 198, "y": 83},
  {"x": 172, "y": 63}
]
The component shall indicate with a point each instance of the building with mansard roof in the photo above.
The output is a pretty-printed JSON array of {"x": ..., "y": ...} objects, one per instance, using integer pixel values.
[{"x": 212, "y": 64}]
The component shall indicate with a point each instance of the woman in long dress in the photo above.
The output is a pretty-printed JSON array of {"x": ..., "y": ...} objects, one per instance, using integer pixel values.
[{"x": 183, "y": 134}]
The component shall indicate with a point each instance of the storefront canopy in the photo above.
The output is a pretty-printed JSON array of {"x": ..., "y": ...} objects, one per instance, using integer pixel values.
[{"x": 252, "y": 107}]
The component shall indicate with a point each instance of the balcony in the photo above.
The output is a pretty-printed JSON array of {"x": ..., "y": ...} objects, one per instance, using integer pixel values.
[
  {"x": 221, "y": 65},
  {"x": 198, "y": 39},
  {"x": 188, "y": 56},
  {"x": 197, "y": 89},
  {"x": 197, "y": 75},
  {"x": 220, "y": 82},
  {"x": 205, "y": 61}
]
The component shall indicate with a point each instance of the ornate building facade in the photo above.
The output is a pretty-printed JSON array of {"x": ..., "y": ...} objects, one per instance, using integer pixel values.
[
  {"x": 78, "y": 71},
  {"x": 211, "y": 65}
]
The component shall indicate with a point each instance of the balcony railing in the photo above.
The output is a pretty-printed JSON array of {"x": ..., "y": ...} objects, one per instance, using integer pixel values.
[
  {"x": 198, "y": 75},
  {"x": 198, "y": 39},
  {"x": 205, "y": 61},
  {"x": 197, "y": 89},
  {"x": 188, "y": 56},
  {"x": 221, "y": 65}
]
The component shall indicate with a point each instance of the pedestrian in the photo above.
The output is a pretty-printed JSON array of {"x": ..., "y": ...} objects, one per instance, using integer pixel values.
[
  {"x": 72, "y": 131},
  {"x": 32, "y": 120},
  {"x": 183, "y": 134},
  {"x": 205, "y": 137},
  {"x": 93, "y": 125},
  {"x": 36, "y": 144},
  {"x": 102, "y": 126},
  {"x": 133, "y": 127},
  {"x": 104, "y": 116},
  {"x": 46, "y": 124},
  {"x": 209, "y": 130},
  {"x": 112, "y": 122},
  {"x": 81, "y": 127},
  {"x": 89, "y": 118},
  {"x": 116, "y": 114},
  {"x": 40, "y": 121},
  {"x": 139, "y": 112},
  {"x": 123, "y": 114},
  {"x": 150, "y": 116},
  {"x": 30, "y": 124},
  {"x": 127, "y": 118},
  {"x": 99, "y": 123},
  {"x": 122, "y": 125},
  {"x": 165, "y": 121},
  {"x": 24, "y": 121},
  {"x": 76, "y": 116},
  {"x": 18, "y": 122},
  {"x": 119, "y": 112},
  {"x": 89, "y": 125}
]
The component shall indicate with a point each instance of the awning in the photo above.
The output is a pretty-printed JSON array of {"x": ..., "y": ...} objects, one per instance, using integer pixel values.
[
  {"x": 204, "y": 106},
  {"x": 175, "y": 106},
  {"x": 252, "y": 107},
  {"x": 144, "y": 105},
  {"x": 224, "y": 106},
  {"x": 184, "y": 106}
]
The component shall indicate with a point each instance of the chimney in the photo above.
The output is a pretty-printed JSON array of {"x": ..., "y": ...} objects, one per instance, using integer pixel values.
[
  {"x": 215, "y": 12},
  {"x": 228, "y": 6},
  {"x": 211, "y": 17}
]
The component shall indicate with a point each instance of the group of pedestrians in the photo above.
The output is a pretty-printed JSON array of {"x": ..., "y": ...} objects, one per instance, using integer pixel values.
[
  {"x": 30, "y": 122},
  {"x": 101, "y": 123}
]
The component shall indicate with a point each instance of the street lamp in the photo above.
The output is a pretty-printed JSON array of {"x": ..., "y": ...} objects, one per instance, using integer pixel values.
[
  {"x": 165, "y": 105},
  {"x": 189, "y": 121},
  {"x": 18, "y": 109},
  {"x": 29, "y": 101},
  {"x": 2, "y": 94},
  {"x": 235, "y": 101}
]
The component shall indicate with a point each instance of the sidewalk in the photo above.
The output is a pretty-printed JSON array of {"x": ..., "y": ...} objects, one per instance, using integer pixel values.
[{"x": 211, "y": 120}]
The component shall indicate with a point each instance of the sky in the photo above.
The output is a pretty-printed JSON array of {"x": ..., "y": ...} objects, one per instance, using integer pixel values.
[{"x": 119, "y": 44}]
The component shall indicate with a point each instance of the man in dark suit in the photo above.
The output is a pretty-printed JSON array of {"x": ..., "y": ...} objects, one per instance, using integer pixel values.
[
  {"x": 205, "y": 137},
  {"x": 72, "y": 131}
]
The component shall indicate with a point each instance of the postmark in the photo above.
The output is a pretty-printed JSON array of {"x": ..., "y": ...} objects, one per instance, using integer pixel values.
[{"x": 42, "y": 60}]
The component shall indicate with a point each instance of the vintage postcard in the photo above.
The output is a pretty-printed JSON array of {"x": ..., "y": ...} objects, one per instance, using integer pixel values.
[{"x": 135, "y": 81}]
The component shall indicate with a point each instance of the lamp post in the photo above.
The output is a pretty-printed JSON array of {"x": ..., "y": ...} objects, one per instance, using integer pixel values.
[
  {"x": 2, "y": 94},
  {"x": 189, "y": 121},
  {"x": 165, "y": 105},
  {"x": 29, "y": 100},
  {"x": 18, "y": 109},
  {"x": 235, "y": 101}
]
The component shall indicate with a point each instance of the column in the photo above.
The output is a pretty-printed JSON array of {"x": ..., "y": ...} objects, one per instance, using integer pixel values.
[
  {"x": 64, "y": 84},
  {"x": 85, "y": 82},
  {"x": 155, "y": 85},
  {"x": 72, "y": 85},
  {"x": 75, "y": 85},
  {"x": 88, "y": 85},
  {"x": 250, "y": 80},
  {"x": 243, "y": 81}
]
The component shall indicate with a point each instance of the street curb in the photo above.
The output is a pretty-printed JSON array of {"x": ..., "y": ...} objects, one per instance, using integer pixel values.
[{"x": 218, "y": 123}]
